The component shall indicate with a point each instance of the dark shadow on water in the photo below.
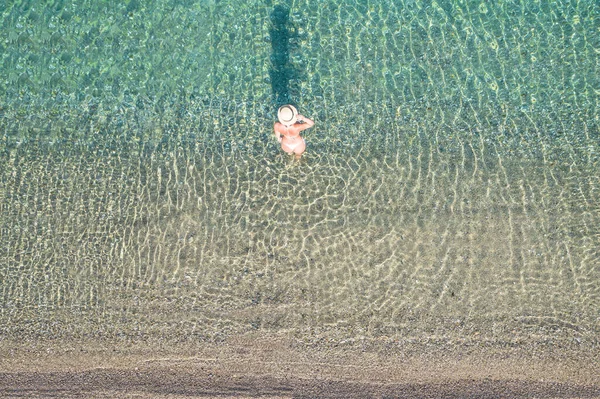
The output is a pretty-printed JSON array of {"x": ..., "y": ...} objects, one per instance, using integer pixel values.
[{"x": 284, "y": 75}]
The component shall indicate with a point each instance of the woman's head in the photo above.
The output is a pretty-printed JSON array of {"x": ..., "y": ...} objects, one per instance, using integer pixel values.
[{"x": 287, "y": 114}]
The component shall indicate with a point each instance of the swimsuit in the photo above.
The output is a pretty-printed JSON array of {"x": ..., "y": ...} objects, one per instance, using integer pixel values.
[{"x": 291, "y": 146}]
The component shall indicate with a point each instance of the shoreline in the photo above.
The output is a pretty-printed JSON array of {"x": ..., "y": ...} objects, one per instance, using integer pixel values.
[{"x": 273, "y": 367}]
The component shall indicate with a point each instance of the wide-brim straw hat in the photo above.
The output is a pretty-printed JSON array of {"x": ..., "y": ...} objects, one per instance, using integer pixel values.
[{"x": 287, "y": 114}]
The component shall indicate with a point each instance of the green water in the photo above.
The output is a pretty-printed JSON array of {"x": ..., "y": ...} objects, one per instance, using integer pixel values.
[{"x": 449, "y": 193}]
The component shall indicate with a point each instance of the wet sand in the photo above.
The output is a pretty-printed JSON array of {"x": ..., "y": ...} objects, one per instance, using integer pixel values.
[{"x": 249, "y": 368}]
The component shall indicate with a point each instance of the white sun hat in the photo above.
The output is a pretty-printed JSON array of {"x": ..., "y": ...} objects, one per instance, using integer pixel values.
[{"x": 287, "y": 114}]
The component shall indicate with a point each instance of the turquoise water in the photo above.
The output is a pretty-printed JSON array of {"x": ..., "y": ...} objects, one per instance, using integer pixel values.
[{"x": 449, "y": 192}]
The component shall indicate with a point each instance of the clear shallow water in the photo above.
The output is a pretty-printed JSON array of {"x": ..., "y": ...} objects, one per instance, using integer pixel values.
[{"x": 449, "y": 192}]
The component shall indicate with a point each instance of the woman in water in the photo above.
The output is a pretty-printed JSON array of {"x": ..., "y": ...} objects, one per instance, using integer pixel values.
[{"x": 288, "y": 129}]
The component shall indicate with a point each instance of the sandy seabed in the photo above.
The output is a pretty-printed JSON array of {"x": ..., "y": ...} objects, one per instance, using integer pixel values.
[{"x": 464, "y": 188}]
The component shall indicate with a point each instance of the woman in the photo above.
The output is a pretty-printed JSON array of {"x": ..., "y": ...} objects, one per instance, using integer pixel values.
[{"x": 288, "y": 129}]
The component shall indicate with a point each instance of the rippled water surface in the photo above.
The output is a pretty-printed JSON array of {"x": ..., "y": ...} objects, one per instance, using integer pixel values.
[{"x": 449, "y": 193}]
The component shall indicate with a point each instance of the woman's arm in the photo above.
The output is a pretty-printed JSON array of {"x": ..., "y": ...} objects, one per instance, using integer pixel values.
[
  {"x": 307, "y": 121},
  {"x": 277, "y": 132}
]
